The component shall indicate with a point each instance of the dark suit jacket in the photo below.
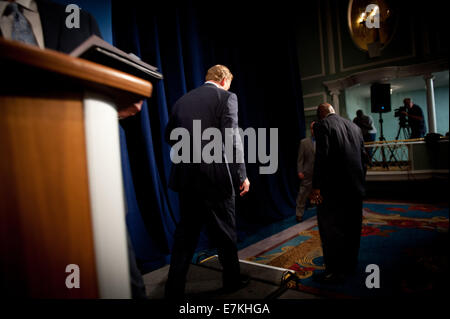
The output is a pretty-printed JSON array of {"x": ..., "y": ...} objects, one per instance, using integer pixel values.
[
  {"x": 217, "y": 108},
  {"x": 340, "y": 164},
  {"x": 56, "y": 35}
]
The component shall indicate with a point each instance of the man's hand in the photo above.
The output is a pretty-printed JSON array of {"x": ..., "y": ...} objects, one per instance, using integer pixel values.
[
  {"x": 301, "y": 175},
  {"x": 416, "y": 117},
  {"x": 130, "y": 110},
  {"x": 315, "y": 197},
  {"x": 244, "y": 187}
]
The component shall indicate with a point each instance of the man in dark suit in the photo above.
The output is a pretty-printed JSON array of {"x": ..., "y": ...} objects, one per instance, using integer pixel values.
[
  {"x": 47, "y": 22},
  {"x": 305, "y": 169},
  {"x": 56, "y": 35},
  {"x": 207, "y": 190},
  {"x": 338, "y": 189},
  {"x": 43, "y": 24}
]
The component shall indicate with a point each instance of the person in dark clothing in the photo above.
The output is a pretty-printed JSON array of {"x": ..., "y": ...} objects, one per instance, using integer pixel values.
[
  {"x": 415, "y": 119},
  {"x": 369, "y": 132},
  {"x": 305, "y": 168},
  {"x": 338, "y": 189},
  {"x": 43, "y": 24},
  {"x": 365, "y": 123},
  {"x": 207, "y": 190}
]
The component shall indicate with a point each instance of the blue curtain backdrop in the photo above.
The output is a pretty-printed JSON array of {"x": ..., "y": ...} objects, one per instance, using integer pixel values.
[{"x": 184, "y": 39}]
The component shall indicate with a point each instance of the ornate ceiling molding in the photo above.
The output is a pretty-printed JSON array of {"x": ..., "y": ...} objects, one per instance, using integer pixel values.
[{"x": 385, "y": 74}]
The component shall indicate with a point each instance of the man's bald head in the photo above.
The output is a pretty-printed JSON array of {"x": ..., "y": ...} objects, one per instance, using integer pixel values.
[{"x": 324, "y": 109}]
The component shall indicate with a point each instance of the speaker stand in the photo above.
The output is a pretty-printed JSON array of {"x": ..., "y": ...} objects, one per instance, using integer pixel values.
[{"x": 383, "y": 154}]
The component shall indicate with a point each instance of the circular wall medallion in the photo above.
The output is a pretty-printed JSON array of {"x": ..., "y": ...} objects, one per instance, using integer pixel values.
[{"x": 362, "y": 18}]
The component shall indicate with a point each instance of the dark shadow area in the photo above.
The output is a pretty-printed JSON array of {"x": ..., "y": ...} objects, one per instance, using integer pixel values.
[{"x": 433, "y": 191}]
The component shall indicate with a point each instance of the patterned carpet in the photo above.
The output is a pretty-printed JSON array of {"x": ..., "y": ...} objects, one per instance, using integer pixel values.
[{"x": 409, "y": 244}]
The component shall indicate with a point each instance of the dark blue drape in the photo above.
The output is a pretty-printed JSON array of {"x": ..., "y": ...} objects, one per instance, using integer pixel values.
[{"x": 184, "y": 39}]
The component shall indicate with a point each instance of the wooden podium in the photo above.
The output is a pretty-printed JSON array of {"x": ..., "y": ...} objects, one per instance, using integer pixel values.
[{"x": 61, "y": 194}]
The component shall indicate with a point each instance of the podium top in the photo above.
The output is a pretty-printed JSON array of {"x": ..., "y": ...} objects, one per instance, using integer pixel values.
[{"x": 80, "y": 69}]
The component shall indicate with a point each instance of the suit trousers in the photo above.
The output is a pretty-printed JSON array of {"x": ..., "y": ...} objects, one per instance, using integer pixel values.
[
  {"x": 302, "y": 197},
  {"x": 218, "y": 215},
  {"x": 137, "y": 283},
  {"x": 340, "y": 223}
]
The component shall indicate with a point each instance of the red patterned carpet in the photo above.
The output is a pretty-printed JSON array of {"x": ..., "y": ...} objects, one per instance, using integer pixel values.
[{"x": 409, "y": 244}]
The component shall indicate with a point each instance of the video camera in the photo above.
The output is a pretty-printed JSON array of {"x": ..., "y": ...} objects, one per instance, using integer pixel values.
[{"x": 398, "y": 111}]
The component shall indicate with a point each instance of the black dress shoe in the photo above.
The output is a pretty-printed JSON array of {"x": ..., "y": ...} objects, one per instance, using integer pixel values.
[
  {"x": 243, "y": 281},
  {"x": 329, "y": 278}
]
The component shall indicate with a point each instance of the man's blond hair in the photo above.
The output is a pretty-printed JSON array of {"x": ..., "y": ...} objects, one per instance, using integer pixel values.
[{"x": 218, "y": 72}]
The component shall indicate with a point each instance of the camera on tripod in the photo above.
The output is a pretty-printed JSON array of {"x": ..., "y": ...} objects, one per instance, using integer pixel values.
[
  {"x": 398, "y": 111},
  {"x": 401, "y": 116}
]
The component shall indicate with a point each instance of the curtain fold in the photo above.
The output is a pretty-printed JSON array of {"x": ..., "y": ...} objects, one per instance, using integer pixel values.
[{"x": 183, "y": 39}]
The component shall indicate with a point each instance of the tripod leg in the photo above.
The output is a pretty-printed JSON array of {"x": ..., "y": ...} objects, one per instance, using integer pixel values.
[{"x": 398, "y": 133}]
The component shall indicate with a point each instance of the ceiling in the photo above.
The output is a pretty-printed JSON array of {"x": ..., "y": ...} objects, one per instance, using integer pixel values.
[{"x": 402, "y": 85}]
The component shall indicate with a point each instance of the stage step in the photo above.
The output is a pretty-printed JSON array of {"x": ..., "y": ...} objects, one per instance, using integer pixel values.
[
  {"x": 205, "y": 278},
  {"x": 269, "y": 274}
]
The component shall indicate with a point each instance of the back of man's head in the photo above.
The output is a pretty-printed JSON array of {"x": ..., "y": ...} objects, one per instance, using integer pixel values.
[
  {"x": 359, "y": 113},
  {"x": 324, "y": 109},
  {"x": 217, "y": 73}
]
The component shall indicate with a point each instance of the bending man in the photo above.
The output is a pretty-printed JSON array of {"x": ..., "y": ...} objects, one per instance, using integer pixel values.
[{"x": 338, "y": 189}]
